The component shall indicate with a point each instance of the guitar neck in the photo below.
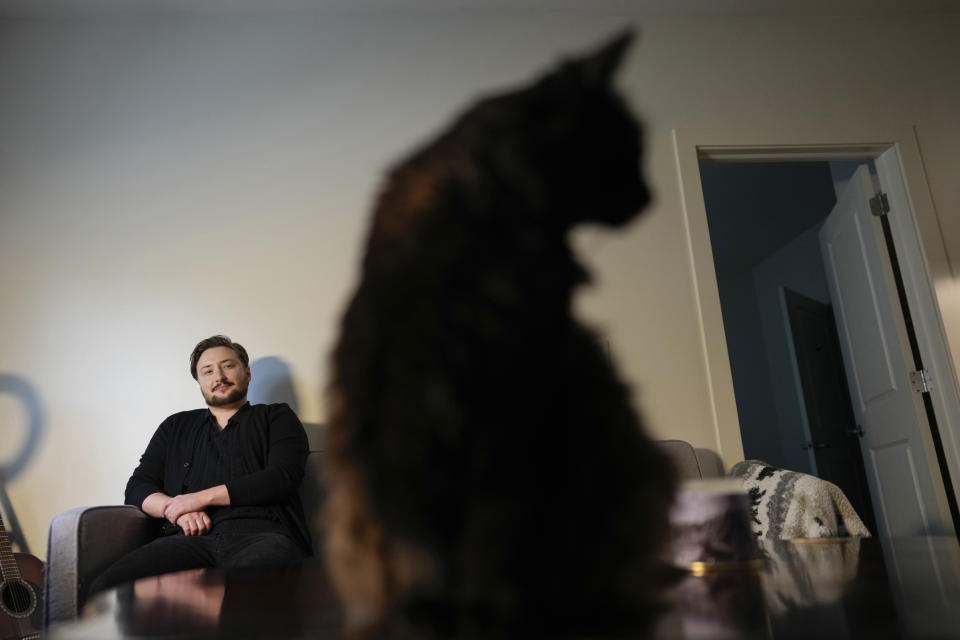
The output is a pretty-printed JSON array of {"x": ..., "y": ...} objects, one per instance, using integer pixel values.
[{"x": 9, "y": 570}]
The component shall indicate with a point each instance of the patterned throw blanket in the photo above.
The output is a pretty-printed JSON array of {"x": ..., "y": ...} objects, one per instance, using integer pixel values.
[{"x": 789, "y": 504}]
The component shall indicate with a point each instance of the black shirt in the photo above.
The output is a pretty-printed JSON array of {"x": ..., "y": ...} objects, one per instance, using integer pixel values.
[
  {"x": 217, "y": 459},
  {"x": 260, "y": 456}
]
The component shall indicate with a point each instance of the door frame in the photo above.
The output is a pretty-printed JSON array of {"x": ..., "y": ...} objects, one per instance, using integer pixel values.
[{"x": 921, "y": 262}]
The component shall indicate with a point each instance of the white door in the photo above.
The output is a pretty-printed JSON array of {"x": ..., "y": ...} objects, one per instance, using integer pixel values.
[{"x": 904, "y": 478}]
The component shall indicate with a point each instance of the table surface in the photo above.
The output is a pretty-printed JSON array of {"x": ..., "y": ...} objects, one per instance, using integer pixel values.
[{"x": 855, "y": 588}]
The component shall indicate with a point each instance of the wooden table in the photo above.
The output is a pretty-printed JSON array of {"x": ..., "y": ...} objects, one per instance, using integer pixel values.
[{"x": 896, "y": 588}]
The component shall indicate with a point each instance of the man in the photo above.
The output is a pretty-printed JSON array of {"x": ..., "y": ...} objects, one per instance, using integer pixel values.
[{"x": 225, "y": 480}]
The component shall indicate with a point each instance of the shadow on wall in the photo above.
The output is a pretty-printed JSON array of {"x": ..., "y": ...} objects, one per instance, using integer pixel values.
[
  {"x": 272, "y": 381},
  {"x": 11, "y": 467}
]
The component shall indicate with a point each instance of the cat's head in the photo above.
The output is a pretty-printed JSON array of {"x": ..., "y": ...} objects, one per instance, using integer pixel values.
[{"x": 567, "y": 145}]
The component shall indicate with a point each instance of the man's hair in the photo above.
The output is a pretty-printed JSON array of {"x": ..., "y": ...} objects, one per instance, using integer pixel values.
[{"x": 217, "y": 341}]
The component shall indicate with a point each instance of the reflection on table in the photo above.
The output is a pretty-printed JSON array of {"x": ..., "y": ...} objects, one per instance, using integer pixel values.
[
  {"x": 191, "y": 598},
  {"x": 853, "y": 588},
  {"x": 207, "y": 603},
  {"x": 827, "y": 588}
]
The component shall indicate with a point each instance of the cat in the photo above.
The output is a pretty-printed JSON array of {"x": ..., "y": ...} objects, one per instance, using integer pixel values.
[{"x": 486, "y": 471}]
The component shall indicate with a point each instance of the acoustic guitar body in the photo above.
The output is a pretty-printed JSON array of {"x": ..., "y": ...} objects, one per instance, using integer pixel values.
[{"x": 21, "y": 603}]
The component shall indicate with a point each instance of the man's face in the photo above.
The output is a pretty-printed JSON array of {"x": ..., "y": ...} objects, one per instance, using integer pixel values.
[{"x": 223, "y": 378}]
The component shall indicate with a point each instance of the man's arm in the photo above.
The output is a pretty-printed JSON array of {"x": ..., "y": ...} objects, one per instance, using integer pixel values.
[
  {"x": 286, "y": 463},
  {"x": 193, "y": 523},
  {"x": 154, "y": 504},
  {"x": 173, "y": 508},
  {"x": 144, "y": 489},
  {"x": 147, "y": 479}
]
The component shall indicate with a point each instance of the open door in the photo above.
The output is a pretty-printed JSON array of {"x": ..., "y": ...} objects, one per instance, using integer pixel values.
[
  {"x": 903, "y": 473},
  {"x": 834, "y": 440}
]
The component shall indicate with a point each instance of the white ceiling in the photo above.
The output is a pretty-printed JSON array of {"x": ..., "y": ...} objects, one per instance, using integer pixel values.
[{"x": 57, "y": 8}]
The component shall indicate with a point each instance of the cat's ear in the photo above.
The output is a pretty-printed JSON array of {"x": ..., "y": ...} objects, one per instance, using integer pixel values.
[{"x": 597, "y": 69}]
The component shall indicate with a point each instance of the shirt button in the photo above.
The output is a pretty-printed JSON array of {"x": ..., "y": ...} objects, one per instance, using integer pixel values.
[{"x": 186, "y": 464}]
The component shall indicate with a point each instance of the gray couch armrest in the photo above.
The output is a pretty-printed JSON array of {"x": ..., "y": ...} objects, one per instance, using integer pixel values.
[
  {"x": 684, "y": 458},
  {"x": 711, "y": 466},
  {"x": 83, "y": 542}
]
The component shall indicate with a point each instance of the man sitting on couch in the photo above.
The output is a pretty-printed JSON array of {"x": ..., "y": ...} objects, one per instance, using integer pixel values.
[{"x": 224, "y": 479}]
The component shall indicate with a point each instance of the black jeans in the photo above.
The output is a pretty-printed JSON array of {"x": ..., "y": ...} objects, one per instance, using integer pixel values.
[{"x": 213, "y": 550}]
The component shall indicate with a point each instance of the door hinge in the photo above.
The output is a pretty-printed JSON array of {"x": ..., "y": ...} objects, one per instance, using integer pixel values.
[
  {"x": 879, "y": 205},
  {"x": 921, "y": 381}
]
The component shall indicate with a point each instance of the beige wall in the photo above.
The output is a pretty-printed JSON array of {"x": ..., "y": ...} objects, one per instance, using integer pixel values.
[{"x": 162, "y": 179}]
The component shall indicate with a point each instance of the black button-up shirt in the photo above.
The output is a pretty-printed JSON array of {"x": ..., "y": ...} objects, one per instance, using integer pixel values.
[{"x": 260, "y": 456}]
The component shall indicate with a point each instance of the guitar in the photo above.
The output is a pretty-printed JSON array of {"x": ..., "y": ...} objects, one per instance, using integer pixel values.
[{"x": 21, "y": 574}]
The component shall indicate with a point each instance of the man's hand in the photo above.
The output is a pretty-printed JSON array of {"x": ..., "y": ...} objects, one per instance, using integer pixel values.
[
  {"x": 193, "y": 502},
  {"x": 195, "y": 523},
  {"x": 183, "y": 504}
]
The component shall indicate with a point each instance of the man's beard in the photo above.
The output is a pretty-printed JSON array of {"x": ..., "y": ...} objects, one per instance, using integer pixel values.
[{"x": 238, "y": 392}]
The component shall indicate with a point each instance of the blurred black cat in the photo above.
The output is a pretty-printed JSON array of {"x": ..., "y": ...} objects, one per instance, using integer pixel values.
[{"x": 488, "y": 475}]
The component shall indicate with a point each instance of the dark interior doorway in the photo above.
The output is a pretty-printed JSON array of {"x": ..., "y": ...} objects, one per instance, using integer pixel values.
[
  {"x": 834, "y": 433},
  {"x": 764, "y": 219}
]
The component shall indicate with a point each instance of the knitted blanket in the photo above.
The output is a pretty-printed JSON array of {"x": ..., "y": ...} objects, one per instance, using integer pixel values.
[{"x": 789, "y": 504}]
